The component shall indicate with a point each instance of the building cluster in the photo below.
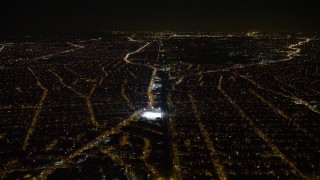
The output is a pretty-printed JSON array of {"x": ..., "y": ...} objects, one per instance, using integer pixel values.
[{"x": 160, "y": 105}]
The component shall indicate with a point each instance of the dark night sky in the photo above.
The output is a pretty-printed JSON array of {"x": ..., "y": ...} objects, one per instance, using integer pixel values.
[{"x": 48, "y": 16}]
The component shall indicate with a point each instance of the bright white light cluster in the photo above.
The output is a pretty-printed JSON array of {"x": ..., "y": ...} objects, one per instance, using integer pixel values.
[{"x": 151, "y": 115}]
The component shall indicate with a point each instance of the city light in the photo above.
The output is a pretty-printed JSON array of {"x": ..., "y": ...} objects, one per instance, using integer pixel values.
[
  {"x": 152, "y": 115},
  {"x": 160, "y": 105}
]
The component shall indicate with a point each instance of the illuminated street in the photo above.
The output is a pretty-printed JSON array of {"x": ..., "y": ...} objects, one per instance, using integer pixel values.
[{"x": 160, "y": 105}]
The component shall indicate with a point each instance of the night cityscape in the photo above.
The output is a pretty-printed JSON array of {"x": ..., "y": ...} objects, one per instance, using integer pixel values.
[{"x": 158, "y": 97}]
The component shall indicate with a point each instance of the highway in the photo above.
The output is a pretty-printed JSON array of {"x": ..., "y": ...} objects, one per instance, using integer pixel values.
[
  {"x": 126, "y": 58},
  {"x": 64, "y": 162},
  {"x": 294, "y": 51},
  {"x": 219, "y": 168},
  {"x": 115, "y": 130},
  {"x": 2, "y": 47},
  {"x": 134, "y": 117},
  {"x": 37, "y": 113},
  {"x": 259, "y": 132},
  {"x": 86, "y": 97}
]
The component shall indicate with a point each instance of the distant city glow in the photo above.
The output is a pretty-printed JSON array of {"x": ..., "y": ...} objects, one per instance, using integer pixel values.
[{"x": 152, "y": 115}]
